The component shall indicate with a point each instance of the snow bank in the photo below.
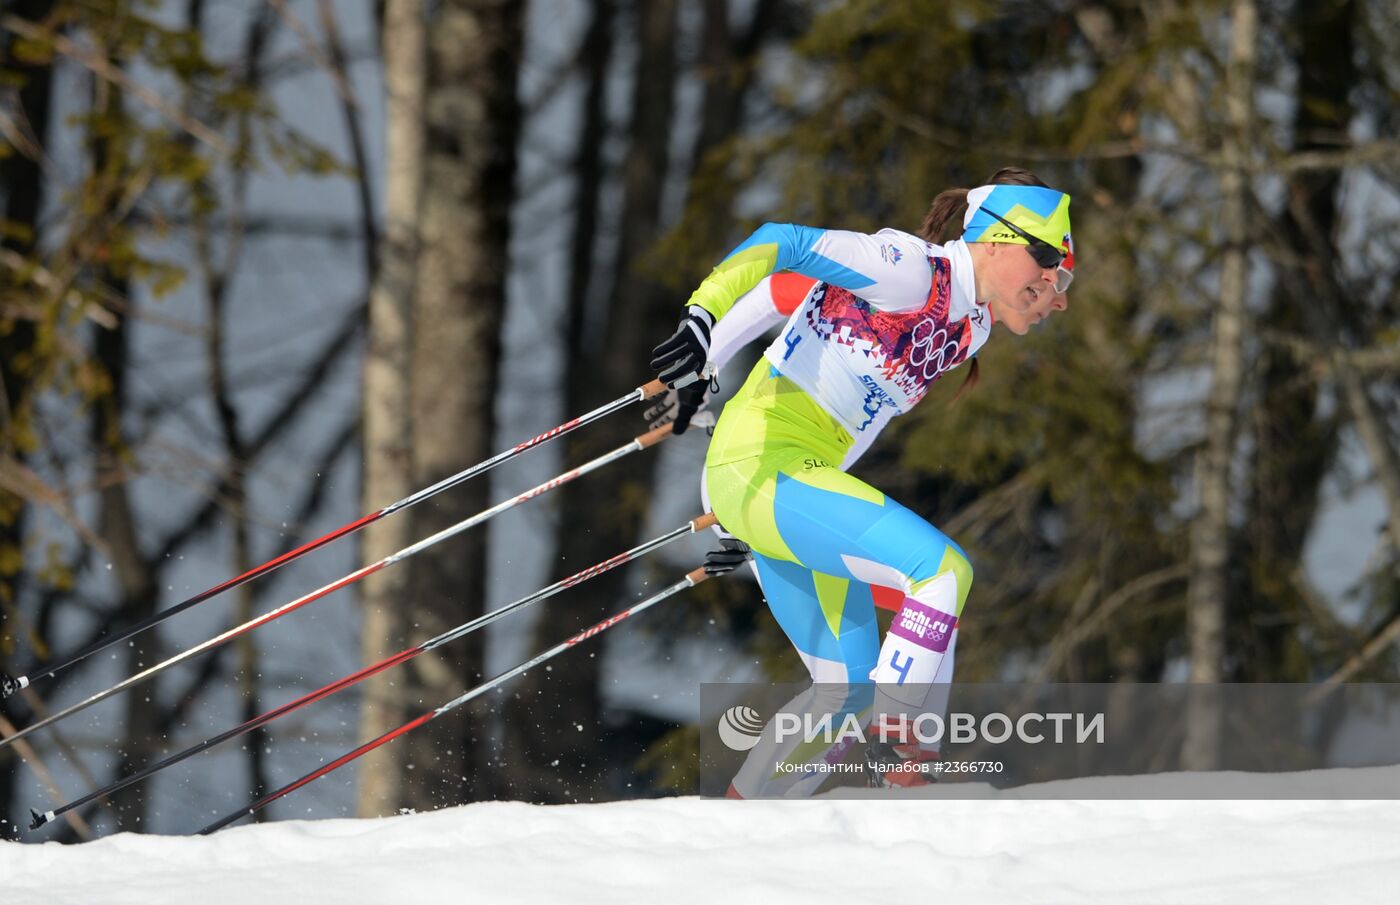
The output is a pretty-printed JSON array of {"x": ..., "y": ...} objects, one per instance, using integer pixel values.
[{"x": 690, "y": 850}]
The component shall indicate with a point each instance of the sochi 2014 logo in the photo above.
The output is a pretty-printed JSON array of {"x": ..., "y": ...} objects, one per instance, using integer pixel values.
[{"x": 740, "y": 727}]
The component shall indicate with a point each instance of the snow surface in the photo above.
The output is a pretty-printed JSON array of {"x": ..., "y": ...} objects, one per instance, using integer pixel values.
[{"x": 878, "y": 848}]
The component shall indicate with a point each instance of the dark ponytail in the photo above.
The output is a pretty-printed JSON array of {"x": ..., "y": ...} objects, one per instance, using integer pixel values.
[{"x": 948, "y": 207}]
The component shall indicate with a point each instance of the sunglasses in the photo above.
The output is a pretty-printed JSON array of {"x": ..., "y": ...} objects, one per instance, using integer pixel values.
[{"x": 1045, "y": 255}]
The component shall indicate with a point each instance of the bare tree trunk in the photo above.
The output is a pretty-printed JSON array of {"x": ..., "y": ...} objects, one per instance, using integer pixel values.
[
  {"x": 472, "y": 120},
  {"x": 1294, "y": 446},
  {"x": 588, "y": 180},
  {"x": 217, "y": 279},
  {"x": 136, "y": 575},
  {"x": 242, "y": 559},
  {"x": 1210, "y": 532},
  {"x": 23, "y": 181},
  {"x": 1376, "y": 439},
  {"x": 729, "y": 59},
  {"x": 388, "y": 460},
  {"x": 643, "y": 310},
  {"x": 350, "y": 112},
  {"x": 558, "y": 758},
  {"x": 728, "y": 62},
  {"x": 137, "y": 580}
]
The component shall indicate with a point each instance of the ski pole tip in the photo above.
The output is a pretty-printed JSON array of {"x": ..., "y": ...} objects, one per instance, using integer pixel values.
[
  {"x": 9, "y": 684},
  {"x": 37, "y": 820}
]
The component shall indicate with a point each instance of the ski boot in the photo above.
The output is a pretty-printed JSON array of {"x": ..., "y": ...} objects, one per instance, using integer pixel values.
[
  {"x": 893, "y": 759},
  {"x": 890, "y": 766}
]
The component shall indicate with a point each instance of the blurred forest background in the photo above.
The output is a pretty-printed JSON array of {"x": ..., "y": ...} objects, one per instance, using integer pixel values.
[{"x": 267, "y": 266}]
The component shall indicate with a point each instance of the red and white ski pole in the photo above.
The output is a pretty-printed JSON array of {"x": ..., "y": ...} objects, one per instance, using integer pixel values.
[
  {"x": 693, "y": 526},
  {"x": 11, "y": 684},
  {"x": 690, "y": 581},
  {"x": 650, "y": 438}
]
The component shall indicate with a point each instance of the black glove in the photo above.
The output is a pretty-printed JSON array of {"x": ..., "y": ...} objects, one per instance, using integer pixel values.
[
  {"x": 9, "y": 685},
  {"x": 679, "y": 360},
  {"x": 733, "y": 555},
  {"x": 677, "y": 407}
]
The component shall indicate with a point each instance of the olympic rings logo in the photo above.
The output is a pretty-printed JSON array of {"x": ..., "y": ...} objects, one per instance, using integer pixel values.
[{"x": 933, "y": 351}]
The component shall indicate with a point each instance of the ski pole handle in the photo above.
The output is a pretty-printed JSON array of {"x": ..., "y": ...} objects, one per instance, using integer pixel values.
[
  {"x": 696, "y": 577},
  {"x": 706, "y": 373},
  {"x": 655, "y": 388},
  {"x": 654, "y": 436},
  {"x": 10, "y": 685},
  {"x": 705, "y": 521}
]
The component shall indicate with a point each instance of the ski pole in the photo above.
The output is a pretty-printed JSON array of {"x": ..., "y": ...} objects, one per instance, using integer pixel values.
[
  {"x": 650, "y": 438},
  {"x": 693, "y": 526},
  {"x": 690, "y": 581},
  {"x": 11, "y": 684}
]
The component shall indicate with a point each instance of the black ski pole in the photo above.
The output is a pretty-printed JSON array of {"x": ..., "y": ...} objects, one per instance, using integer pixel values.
[
  {"x": 403, "y": 656},
  {"x": 690, "y": 581},
  {"x": 11, "y": 684},
  {"x": 648, "y": 439}
]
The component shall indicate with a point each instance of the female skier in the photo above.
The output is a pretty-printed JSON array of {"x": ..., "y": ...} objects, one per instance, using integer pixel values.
[{"x": 880, "y": 318}]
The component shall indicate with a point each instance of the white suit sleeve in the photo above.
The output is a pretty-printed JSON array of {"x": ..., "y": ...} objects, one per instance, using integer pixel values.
[{"x": 889, "y": 270}]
